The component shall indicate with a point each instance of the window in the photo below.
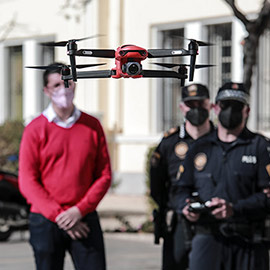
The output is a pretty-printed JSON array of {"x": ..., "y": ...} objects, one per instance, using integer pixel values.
[
  {"x": 15, "y": 79},
  {"x": 220, "y": 54},
  {"x": 47, "y": 55},
  {"x": 16, "y": 86},
  {"x": 171, "y": 90},
  {"x": 263, "y": 83}
]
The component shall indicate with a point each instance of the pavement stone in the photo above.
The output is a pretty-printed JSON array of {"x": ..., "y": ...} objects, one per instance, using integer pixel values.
[{"x": 124, "y": 251}]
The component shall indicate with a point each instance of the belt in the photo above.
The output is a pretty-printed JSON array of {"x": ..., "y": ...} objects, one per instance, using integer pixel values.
[
  {"x": 244, "y": 231},
  {"x": 209, "y": 228},
  {"x": 241, "y": 231},
  {"x": 226, "y": 229}
]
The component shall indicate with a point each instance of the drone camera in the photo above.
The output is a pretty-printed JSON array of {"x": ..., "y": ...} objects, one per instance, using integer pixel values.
[{"x": 132, "y": 68}]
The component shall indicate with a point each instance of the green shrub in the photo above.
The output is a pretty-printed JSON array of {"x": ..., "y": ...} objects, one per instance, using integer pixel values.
[
  {"x": 148, "y": 225},
  {"x": 152, "y": 204},
  {"x": 10, "y": 138}
]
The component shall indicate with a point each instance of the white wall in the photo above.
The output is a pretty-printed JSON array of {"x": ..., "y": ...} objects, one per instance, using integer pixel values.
[{"x": 131, "y": 109}]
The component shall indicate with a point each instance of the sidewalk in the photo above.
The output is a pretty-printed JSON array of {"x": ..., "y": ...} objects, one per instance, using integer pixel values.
[
  {"x": 115, "y": 209},
  {"x": 124, "y": 251}
]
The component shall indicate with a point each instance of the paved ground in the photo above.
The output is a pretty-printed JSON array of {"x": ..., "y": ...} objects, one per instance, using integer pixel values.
[
  {"x": 132, "y": 252},
  {"x": 124, "y": 252}
]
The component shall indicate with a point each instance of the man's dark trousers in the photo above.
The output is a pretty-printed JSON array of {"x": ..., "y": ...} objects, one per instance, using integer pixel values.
[{"x": 50, "y": 244}]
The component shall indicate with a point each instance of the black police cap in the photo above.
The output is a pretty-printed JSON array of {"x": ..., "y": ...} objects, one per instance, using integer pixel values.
[
  {"x": 233, "y": 91},
  {"x": 195, "y": 91}
]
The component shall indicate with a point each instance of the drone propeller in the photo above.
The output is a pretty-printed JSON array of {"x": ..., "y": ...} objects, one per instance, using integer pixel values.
[
  {"x": 183, "y": 67},
  {"x": 200, "y": 43},
  {"x": 61, "y": 66},
  {"x": 193, "y": 47},
  {"x": 72, "y": 49},
  {"x": 64, "y": 43}
]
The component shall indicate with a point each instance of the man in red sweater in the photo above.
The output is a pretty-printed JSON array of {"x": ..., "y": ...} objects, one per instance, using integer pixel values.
[{"x": 64, "y": 172}]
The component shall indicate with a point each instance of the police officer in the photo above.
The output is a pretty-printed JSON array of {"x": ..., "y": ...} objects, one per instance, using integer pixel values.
[
  {"x": 229, "y": 169},
  {"x": 166, "y": 165}
]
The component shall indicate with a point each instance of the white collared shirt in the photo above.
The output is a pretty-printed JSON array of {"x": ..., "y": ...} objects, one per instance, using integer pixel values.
[{"x": 50, "y": 114}]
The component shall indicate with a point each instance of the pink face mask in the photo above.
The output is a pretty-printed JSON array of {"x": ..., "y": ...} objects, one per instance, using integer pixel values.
[{"x": 63, "y": 98}]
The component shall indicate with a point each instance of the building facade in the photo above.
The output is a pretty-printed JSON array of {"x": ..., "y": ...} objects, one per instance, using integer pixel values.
[{"x": 134, "y": 112}]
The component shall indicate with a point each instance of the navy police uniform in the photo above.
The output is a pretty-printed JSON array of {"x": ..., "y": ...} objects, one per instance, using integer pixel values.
[
  {"x": 166, "y": 167},
  {"x": 237, "y": 172}
]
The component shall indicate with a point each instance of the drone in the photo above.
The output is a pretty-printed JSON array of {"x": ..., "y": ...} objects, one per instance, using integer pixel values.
[{"x": 128, "y": 60}]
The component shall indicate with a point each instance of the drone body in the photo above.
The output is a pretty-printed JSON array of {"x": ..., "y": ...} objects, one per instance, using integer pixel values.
[{"x": 128, "y": 60}]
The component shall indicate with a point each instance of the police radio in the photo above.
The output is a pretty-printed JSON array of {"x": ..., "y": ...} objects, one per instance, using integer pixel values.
[{"x": 198, "y": 206}]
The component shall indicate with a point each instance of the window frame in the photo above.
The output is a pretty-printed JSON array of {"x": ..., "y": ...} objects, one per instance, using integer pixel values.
[
  {"x": 4, "y": 69},
  {"x": 156, "y": 87}
]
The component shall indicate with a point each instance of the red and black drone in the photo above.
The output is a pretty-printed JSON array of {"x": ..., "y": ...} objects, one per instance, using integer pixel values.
[{"x": 128, "y": 60}]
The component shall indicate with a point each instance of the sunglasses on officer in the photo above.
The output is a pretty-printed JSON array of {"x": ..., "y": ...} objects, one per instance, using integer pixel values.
[
  {"x": 235, "y": 104},
  {"x": 194, "y": 103}
]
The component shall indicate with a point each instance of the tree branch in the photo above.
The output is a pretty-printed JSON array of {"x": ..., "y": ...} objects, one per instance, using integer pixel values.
[
  {"x": 238, "y": 14},
  {"x": 264, "y": 17},
  {"x": 8, "y": 28},
  {"x": 255, "y": 29}
]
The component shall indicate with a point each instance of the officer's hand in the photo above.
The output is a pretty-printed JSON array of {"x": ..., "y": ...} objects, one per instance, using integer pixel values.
[
  {"x": 67, "y": 219},
  {"x": 222, "y": 208},
  {"x": 267, "y": 192},
  {"x": 78, "y": 231},
  {"x": 193, "y": 217}
]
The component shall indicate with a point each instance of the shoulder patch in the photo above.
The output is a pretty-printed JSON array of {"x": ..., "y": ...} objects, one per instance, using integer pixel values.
[
  {"x": 200, "y": 161},
  {"x": 181, "y": 149},
  {"x": 155, "y": 159},
  {"x": 170, "y": 132},
  {"x": 268, "y": 169}
]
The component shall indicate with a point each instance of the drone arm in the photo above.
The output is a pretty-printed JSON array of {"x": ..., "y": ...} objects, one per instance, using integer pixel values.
[
  {"x": 156, "y": 53},
  {"x": 162, "y": 74},
  {"x": 73, "y": 67},
  {"x": 193, "y": 48},
  {"x": 90, "y": 74},
  {"x": 96, "y": 53},
  {"x": 72, "y": 48}
]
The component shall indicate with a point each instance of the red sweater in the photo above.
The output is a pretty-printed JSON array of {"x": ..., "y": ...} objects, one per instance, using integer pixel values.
[{"x": 60, "y": 168}]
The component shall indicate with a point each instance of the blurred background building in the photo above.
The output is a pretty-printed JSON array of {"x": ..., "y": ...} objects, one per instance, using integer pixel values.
[{"x": 134, "y": 112}]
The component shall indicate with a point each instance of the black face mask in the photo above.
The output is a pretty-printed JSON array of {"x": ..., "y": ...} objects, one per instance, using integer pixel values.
[
  {"x": 230, "y": 117},
  {"x": 197, "y": 116}
]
